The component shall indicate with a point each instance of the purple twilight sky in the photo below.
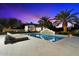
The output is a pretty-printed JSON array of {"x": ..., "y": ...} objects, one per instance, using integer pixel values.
[{"x": 31, "y": 12}]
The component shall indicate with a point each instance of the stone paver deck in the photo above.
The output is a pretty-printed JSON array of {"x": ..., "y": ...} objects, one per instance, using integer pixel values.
[{"x": 38, "y": 47}]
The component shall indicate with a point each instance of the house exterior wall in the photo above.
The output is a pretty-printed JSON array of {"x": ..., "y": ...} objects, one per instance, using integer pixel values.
[
  {"x": 32, "y": 28},
  {"x": 38, "y": 29},
  {"x": 26, "y": 28}
]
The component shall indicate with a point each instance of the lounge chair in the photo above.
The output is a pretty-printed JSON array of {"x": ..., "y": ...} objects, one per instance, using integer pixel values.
[{"x": 10, "y": 39}]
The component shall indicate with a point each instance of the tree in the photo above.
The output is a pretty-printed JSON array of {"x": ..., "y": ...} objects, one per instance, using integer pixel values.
[
  {"x": 13, "y": 23},
  {"x": 1, "y": 27},
  {"x": 44, "y": 22},
  {"x": 3, "y": 23},
  {"x": 65, "y": 17}
]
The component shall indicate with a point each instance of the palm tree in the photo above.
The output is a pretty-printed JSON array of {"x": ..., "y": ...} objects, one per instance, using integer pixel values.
[
  {"x": 44, "y": 22},
  {"x": 64, "y": 17}
]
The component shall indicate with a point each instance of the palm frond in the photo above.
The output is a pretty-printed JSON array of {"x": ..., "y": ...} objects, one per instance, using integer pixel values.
[
  {"x": 72, "y": 15},
  {"x": 56, "y": 23},
  {"x": 69, "y": 11},
  {"x": 72, "y": 22}
]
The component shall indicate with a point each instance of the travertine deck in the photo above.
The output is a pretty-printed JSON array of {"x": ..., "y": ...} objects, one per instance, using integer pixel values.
[{"x": 38, "y": 47}]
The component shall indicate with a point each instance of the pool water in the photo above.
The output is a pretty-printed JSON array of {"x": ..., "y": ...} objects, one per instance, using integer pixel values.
[{"x": 51, "y": 38}]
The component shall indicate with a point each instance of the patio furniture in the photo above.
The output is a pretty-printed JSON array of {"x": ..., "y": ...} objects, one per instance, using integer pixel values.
[{"x": 9, "y": 39}]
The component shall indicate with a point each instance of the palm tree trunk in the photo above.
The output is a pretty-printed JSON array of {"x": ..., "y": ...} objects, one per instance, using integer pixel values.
[{"x": 65, "y": 26}]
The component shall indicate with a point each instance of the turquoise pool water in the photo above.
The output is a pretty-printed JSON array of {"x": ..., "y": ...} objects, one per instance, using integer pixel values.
[{"x": 51, "y": 38}]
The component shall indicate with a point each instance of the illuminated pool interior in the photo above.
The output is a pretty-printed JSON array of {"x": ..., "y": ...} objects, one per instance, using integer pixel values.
[{"x": 51, "y": 38}]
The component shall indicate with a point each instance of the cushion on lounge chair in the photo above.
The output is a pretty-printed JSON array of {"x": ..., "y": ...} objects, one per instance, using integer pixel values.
[{"x": 11, "y": 39}]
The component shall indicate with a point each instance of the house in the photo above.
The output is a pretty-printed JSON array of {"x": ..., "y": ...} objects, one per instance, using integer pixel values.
[{"x": 31, "y": 27}]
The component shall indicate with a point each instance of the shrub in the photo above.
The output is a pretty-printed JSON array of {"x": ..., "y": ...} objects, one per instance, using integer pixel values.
[
  {"x": 75, "y": 32},
  {"x": 64, "y": 33}
]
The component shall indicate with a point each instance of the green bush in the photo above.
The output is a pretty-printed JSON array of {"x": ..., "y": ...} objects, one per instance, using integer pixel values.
[
  {"x": 75, "y": 32},
  {"x": 64, "y": 33}
]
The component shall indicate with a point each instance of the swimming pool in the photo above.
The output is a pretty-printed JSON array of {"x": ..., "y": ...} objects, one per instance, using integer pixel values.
[{"x": 51, "y": 38}]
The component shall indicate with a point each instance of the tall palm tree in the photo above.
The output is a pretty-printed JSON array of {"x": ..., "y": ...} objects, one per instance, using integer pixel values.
[
  {"x": 44, "y": 22},
  {"x": 64, "y": 17}
]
